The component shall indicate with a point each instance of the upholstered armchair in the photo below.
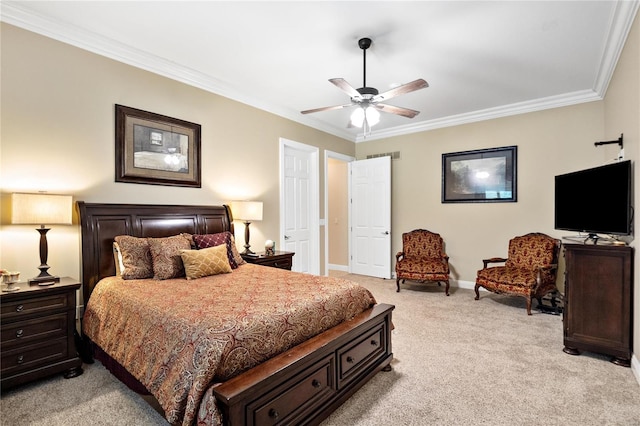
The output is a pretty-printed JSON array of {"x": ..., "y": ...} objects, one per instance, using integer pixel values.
[
  {"x": 529, "y": 271},
  {"x": 422, "y": 259}
]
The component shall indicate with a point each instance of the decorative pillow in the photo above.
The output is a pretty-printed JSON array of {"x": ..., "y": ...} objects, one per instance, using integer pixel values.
[
  {"x": 234, "y": 251},
  {"x": 136, "y": 257},
  {"x": 205, "y": 262},
  {"x": 165, "y": 253},
  {"x": 212, "y": 240},
  {"x": 190, "y": 238}
]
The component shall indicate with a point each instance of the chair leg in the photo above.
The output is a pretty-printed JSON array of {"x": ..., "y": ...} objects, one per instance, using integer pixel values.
[
  {"x": 477, "y": 292},
  {"x": 446, "y": 288},
  {"x": 528, "y": 306},
  {"x": 398, "y": 285}
]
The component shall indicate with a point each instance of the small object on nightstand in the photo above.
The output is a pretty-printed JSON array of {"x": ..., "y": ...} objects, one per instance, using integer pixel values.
[
  {"x": 279, "y": 259},
  {"x": 10, "y": 279},
  {"x": 269, "y": 247}
]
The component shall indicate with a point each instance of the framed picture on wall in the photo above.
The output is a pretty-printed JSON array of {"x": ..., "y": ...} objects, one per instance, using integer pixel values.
[
  {"x": 480, "y": 176},
  {"x": 155, "y": 149}
]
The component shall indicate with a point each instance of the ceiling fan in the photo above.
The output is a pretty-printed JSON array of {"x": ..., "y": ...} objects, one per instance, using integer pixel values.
[{"x": 368, "y": 99}]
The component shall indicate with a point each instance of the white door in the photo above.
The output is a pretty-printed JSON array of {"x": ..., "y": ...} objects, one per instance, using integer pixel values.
[
  {"x": 371, "y": 217},
  {"x": 299, "y": 211}
]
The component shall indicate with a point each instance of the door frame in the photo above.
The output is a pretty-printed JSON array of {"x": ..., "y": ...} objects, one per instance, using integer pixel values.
[
  {"x": 347, "y": 159},
  {"x": 314, "y": 197}
]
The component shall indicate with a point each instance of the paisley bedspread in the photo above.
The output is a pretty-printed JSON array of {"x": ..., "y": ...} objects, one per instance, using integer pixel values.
[{"x": 178, "y": 337}]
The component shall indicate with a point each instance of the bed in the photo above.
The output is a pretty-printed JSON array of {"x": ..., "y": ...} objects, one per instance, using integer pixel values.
[{"x": 297, "y": 384}]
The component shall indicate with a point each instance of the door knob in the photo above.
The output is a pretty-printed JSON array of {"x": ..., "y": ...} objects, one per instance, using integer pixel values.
[{"x": 385, "y": 233}]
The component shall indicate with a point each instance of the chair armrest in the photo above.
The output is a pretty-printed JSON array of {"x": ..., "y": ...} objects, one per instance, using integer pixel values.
[
  {"x": 399, "y": 255},
  {"x": 493, "y": 260},
  {"x": 545, "y": 268}
]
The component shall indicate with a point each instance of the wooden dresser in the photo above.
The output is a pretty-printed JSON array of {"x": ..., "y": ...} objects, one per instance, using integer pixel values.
[
  {"x": 280, "y": 259},
  {"x": 598, "y": 304},
  {"x": 37, "y": 325}
]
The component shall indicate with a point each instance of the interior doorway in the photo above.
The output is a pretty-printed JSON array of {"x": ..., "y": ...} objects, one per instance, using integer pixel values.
[{"x": 336, "y": 206}]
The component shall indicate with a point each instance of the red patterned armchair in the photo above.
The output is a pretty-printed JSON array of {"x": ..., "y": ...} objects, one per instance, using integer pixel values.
[
  {"x": 529, "y": 271},
  {"x": 422, "y": 259}
]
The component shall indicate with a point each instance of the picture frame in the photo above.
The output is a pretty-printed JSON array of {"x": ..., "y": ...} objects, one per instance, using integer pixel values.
[
  {"x": 155, "y": 149},
  {"x": 480, "y": 176}
]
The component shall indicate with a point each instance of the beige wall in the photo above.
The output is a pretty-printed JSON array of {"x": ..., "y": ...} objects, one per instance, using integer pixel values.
[
  {"x": 58, "y": 135},
  {"x": 549, "y": 143},
  {"x": 338, "y": 212}
]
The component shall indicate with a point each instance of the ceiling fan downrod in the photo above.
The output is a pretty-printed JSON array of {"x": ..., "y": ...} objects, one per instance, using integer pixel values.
[{"x": 364, "y": 44}]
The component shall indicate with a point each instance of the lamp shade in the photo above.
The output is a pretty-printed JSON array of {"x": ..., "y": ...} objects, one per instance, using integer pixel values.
[
  {"x": 247, "y": 211},
  {"x": 41, "y": 209}
]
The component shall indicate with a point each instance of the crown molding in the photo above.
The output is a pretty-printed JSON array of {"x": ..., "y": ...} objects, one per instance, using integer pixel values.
[{"x": 487, "y": 114}]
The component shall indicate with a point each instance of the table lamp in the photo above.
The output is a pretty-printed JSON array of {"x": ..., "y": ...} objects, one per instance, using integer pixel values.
[
  {"x": 247, "y": 211},
  {"x": 41, "y": 209}
]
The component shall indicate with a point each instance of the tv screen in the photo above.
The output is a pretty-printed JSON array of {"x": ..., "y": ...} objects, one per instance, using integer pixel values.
[{"x": 595, "y": 201}]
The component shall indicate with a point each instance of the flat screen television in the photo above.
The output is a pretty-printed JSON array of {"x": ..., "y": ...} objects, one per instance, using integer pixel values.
[{"x": 595, "y": 201}]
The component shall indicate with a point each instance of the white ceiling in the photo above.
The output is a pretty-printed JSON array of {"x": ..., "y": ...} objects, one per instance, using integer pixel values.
[{"x": 482, "y": 59}]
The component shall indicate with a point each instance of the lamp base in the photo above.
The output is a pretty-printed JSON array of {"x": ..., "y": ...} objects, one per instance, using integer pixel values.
[{"x": 44, "y": 280}]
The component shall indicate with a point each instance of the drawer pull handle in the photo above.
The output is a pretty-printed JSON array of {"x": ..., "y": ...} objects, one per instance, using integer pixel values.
[
  {"x": 19, "y": 308},
  {"x": 19, "y": 333},
  {"x": 273, "y": 413},
  {"x": 350, "y": 360},
  {"x": 374, "y": 342},
  {"x": 20, "y": 359},
  {"x": 316, "y": 383}
]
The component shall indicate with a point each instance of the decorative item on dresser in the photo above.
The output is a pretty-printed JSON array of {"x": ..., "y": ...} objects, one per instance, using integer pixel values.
[
  {"x": 279, "y": 259},
  {"x": 42, "y": 209},
  {"x": 38, "y": 325},
  {"x": 598, "y": 301}
]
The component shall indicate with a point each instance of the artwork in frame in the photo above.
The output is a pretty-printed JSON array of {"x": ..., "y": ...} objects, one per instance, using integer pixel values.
[
  {"x": 155, "y": 149},
  {"x": 480, "y": 176}
]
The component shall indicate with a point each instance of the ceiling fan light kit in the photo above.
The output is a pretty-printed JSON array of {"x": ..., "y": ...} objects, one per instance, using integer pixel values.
[{"x": 368, "y": 99}]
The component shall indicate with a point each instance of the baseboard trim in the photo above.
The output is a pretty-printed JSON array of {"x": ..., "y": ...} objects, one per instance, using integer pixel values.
[{"x": 334, "y": 267}]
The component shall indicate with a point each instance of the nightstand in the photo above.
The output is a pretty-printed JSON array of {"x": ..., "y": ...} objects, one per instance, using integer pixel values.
[
  {"x": 37, "y": 325},
  {"x": 280, "y": 259}
]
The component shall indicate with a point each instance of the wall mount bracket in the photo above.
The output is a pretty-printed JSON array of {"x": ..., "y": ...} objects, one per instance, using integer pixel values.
[{"x": 618, "y": 141}]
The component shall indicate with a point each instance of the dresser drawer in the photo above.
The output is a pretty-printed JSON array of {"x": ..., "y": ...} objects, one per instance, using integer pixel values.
[
  {"x": 358, "y": 355},
  {"x": 31, "y": 356},
  {"x": 28, "y": 331},
  {"x": 292, "y": 401},
  {"x": 16, "y": 309}
]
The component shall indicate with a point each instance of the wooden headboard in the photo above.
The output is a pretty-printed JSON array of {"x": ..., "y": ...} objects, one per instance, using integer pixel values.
[{"x": 101, "y": 223}]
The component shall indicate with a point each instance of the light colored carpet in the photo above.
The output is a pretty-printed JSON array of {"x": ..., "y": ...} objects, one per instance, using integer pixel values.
[{"x": 457, "y": 362}]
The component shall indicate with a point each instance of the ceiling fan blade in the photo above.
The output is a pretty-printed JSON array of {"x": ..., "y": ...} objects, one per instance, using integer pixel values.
[
  {"x": 342, "y": 84},
  {"x": 330, "y": 108},
  {"x": 401, "y": 90},
  {"x": 405, "y": 112}
]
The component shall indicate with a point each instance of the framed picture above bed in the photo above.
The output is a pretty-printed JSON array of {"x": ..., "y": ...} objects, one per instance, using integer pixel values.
[
  {"x": 155, "y": 149},
  {"x": 480, "y": 176}
]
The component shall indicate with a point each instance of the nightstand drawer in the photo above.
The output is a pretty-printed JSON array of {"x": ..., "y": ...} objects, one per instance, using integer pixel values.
[
  {"x": 31, "y": 330},
  {"x": 21, "y": 308},
  {"x": 32, "y": 356},
  {"x": 280, "y": 259}
]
